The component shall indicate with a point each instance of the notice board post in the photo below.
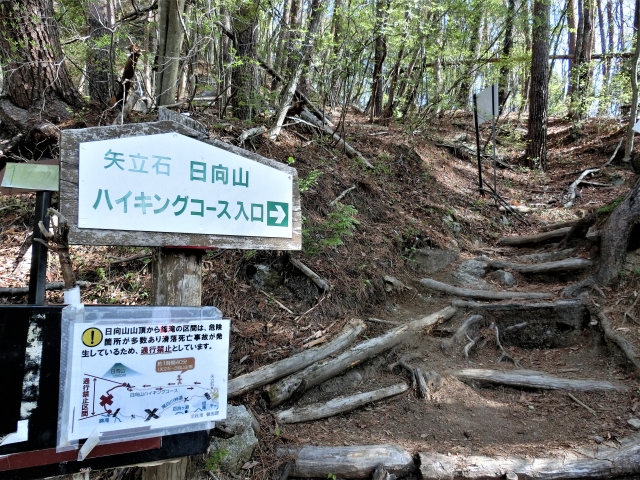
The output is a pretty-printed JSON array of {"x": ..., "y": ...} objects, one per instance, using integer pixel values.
[
  {"x": 165, "y": 185},
  {"x": 176, "y": 279}
]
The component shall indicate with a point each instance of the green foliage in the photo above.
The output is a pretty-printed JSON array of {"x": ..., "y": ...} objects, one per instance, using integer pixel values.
[
  {"x": 213, "y": 462},
  {"x": 311, "y": 181},
  {"x": 340, "y": 223},
  {"x": 332, "y": 476}
]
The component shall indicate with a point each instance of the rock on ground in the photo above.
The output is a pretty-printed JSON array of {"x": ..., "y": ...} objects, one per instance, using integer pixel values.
[{"x": 232, "y": 453}]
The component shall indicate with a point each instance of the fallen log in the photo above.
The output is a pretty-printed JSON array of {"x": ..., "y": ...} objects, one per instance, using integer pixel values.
[
  {"x": 348, "y": 462},
  {"x": 315, "y": 374},
  {"x": 539, "y": 238},
  {"x": 559, "y": 266},
  {"x": 313, "y": 276},
  {"x": 533, "y": 379},
  {"x": 622, "y": 343},
  {"x": 571, "y": 196},
  {"x": 340, "y": 142},
  {"x": 337, "y": 405},
  {"x": 600, "y": 462},
  {"x": 480, "y": 294},
  {"x": 462, "y": 332},
  {"x": 520, "y": 306},
  {"x": 558, "y": 225},
  {"x": 275, "y": 371}
]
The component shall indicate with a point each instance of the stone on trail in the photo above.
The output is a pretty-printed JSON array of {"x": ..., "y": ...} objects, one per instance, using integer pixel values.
[
  {"x": 504, "y": 278},
  {"x": 429, "y": 260},
  {"x": 232, "y": 453}
]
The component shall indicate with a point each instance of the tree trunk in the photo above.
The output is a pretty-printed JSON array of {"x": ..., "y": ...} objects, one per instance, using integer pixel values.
[
  {"x": 169, "y": 49},
  {"x": 505, "y": 68},
  {"x": 633, "y": 113},
  {"x": 572, "y": 27},
  {"x": 100, "y": 58},
  {"x": 536, "y": 153},
  {"x": 303, "y": 56},
  {"x": 380, "y": 53},
  {"x": 34, "y": 66},
  {"x": 244, "y": 76},
  {"x": 468, "y": 78},
  {"x": 283, "y": 39},
  {"x": 581, "y": 69},
  {"x": 616, "y": 235}
]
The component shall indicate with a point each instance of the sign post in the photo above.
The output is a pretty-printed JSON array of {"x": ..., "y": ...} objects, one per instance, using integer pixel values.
[
  {"x": 42, "y": 178},
  {"x": 485, "y": 106},
  {"x": 162, "y": 185}
]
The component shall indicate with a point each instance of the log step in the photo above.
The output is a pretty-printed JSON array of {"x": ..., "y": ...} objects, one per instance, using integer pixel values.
[
  {"x": 532, "y": 239},
  {"x": 533, "y": 379}
]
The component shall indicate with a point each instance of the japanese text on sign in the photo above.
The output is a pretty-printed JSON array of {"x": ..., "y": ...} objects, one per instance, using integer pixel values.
[
  {"x": 172, "y": 183},
  {"x": 128, "y": 376}
]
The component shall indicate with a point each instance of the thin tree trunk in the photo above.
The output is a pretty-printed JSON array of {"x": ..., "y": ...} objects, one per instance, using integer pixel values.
[
  {"x": 169, "y": 48},
  {"x": 244, "y": 76},
  {"x": 628, "y": 146},
  {"x": 305, "y": 53},
  {"x": 536, "y": 153},
  {"x": 283, "y": 39},
  {"x": 380, "y": 53},
  {"x": 572, "y": 27},
  {"x": 101, "y": 20},
  {"x": 506, "y": 53}
]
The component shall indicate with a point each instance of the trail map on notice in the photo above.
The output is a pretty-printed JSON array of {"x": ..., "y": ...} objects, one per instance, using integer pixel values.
[{"x": 127, "y": 376}]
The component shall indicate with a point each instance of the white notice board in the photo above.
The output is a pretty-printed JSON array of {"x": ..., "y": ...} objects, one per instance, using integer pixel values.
[
  {"x": 142, "y": 378},
  {"x": 172, "y": 183},
  {"x": 487, "y": 104}
]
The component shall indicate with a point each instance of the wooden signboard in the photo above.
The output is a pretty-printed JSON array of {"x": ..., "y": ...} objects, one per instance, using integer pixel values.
[
  {"x": 30, "y": 342},
  {"x": 162, "y": 184}
]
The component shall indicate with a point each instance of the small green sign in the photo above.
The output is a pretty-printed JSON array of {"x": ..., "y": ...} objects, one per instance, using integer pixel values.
[
  {"x": 31, "y": 176},
  {"x": 277, "y": 214}
]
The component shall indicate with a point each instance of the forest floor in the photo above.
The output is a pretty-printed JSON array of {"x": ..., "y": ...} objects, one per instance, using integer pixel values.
[{"x": 420, "y": 195}]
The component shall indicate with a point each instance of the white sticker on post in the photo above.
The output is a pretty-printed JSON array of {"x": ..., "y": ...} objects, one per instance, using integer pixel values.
[
  {"x": 636, "y": 127},
  {"x": 135, "y": 378}
]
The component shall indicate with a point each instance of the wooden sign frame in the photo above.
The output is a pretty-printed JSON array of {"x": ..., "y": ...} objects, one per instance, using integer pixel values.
[{"x": 69, "y": 164}]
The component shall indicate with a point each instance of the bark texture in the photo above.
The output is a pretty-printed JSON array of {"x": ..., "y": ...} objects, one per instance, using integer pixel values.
[
  {"x": 536, "y": 154},
  {"x": 101, "y": 20},
  {"x": 616, "y": 235},
  {"x": 169, "y": 47},
  {"x": 30, "y": 50}
]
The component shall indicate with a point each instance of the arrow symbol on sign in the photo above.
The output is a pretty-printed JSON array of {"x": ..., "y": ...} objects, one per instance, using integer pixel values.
[{"x": 280, "y": 214}]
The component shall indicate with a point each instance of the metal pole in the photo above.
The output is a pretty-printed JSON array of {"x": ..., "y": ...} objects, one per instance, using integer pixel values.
[
  {"x": 494, "y": 87},
  {"x": 38, "y": 273},
  {"x": 475, "y": 121}
]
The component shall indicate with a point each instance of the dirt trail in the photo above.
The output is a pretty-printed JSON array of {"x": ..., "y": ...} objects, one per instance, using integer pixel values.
[{"x": 468, "y": 419}]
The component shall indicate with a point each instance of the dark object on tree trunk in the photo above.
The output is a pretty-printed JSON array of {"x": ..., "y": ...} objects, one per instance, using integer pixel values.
[
  {"x": 124, "y": 85},
  {"x": 348, "y": 462},
  {"x": 533, "y": 379},
  {"x": 599, "y": 462},
  {"x": 616, "y": 235}
]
